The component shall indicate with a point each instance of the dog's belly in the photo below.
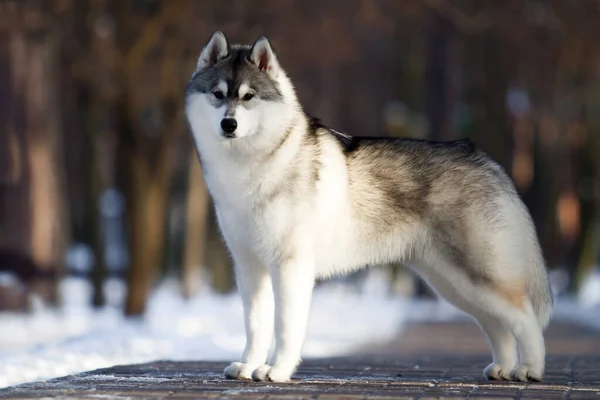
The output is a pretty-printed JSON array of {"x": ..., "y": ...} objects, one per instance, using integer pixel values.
[{"x": 352, "y": 245}]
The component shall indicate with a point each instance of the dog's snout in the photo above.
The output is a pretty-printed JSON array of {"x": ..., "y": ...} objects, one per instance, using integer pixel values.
[{"x": 229, "y": 125}]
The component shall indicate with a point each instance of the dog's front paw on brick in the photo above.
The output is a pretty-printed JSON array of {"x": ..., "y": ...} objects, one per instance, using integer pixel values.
[{"x": 272, "y": 374}]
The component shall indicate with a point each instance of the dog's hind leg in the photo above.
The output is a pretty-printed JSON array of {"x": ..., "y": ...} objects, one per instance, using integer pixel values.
[
  {"x": 509, "y": 320},
  {"x": 530, "y": 343},
  {"x": 504, "y": 347},
  {"x": 504, "y": 312},
  {"x": 514, "y": 315}
]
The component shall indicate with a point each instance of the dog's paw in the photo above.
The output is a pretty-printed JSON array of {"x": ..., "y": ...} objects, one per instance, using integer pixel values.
[
  {"x": 496, "y": 372},
  {"x": 246, "y": 371},
  {"x": 279, "y": 375},
  {"x": 238, "y": 370},
  {"x": 525, "y": 373},
  {"x": 273, "y": 374},
  {"x": 261, "y": 373}
]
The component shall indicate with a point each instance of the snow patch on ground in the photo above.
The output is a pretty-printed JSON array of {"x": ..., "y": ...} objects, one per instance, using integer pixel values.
[
  {"x": 107, "y": 377},
  {"x": 585, "y": 307}
]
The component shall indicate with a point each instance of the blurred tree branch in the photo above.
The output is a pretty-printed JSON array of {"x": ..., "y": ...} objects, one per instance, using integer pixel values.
[{"x": 462, "y": 22}]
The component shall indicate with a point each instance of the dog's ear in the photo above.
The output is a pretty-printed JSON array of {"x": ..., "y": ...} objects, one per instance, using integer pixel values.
[
  {"x": 264, "y": 58},
  {"x": 216, "y": 49}
]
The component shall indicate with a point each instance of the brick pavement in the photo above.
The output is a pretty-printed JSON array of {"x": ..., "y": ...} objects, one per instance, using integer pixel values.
[{"x": 403, "y": 369}]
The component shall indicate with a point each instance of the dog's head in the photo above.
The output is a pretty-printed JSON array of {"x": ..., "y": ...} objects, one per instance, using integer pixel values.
[{"x": 237, "y": 90}]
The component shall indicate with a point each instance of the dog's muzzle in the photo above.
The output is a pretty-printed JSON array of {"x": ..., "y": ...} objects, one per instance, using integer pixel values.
[{"x": 229, "y": 125}]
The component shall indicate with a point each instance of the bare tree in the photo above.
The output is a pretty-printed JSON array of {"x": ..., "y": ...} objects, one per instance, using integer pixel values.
[{"x": 34, "y": 210}]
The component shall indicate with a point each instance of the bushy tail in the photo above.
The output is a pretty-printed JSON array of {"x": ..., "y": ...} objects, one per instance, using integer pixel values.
[
  {"x": 538, "y": 288},
  {"x": 538, "y": 283},
  {"x": 542, "y": 302}
]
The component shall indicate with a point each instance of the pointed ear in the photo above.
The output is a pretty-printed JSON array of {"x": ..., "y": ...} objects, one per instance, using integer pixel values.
[
  {"x": 216, "y": 49},
  {"x": 264, "y": 58}
]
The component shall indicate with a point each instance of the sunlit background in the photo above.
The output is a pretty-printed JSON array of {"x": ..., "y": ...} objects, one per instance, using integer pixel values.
[{"x": 109, "y": 250}]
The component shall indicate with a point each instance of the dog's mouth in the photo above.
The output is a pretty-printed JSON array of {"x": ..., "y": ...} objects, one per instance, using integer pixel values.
[{"x": 229, "y": 135}]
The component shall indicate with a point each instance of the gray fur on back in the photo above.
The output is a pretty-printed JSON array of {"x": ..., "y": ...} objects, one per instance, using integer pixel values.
[{"x": 440, "y": 184}]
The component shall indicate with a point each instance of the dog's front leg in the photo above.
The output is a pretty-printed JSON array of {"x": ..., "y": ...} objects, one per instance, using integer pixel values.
[
  {"x": 254, "y": 284},
  {"x": 293, "y": 283}
]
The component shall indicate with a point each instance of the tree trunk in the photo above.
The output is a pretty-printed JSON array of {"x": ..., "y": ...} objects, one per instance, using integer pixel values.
[
  {"x": 147, "y": 205},
  {"x": 442, "y": 70},
  {"x": 441, "y": 92},
  {"x": 150, "y": 143},
  {"x": 34, "y": 210},
  {"x": 195, "y": 237}
]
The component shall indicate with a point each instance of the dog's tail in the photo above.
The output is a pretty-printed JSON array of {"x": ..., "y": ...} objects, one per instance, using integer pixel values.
[
  {"x": 538, "y": 286},
  {"x": 541, "y": 300}
]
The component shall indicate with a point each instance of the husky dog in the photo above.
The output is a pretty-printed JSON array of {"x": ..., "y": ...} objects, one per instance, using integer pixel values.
[{"x": 297, "y": 201}]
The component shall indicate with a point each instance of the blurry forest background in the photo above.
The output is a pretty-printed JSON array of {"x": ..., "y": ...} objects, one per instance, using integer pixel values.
[{"x": 99, "y": 177}]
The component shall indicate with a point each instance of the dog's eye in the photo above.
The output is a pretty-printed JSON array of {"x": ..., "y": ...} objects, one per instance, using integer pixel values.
[
  {"x": 248, "y": 96},
  {"x": 219, "y": 95}
]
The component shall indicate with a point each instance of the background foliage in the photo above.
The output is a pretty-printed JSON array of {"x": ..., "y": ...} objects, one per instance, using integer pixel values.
[{"x": 98, "y": 174}]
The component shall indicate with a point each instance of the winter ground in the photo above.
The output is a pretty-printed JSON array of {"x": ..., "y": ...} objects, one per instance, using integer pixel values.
[{"x": 52, "y": 343}]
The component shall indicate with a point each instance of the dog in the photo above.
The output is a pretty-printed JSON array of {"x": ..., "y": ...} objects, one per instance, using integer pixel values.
[{"x": 297, "y": 201}]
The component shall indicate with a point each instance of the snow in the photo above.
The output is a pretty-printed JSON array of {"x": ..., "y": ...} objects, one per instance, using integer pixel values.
[
  {"x": 109, "y": 377},
  {"x": 585, "y": 307},
  {"x": 51, "y": 343},
  {"x": 589, "y": 295}
]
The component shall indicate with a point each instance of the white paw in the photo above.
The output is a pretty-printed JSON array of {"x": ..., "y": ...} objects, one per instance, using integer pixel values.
[
  {"x": 238, "y": 370},
  {"x": 497, "y": 372},
  {"x": 232, "y": 371},
  {"x": 261, "y": 373},
  {"x": 246, "y": 371},
  {"x": 273, "y": 374},
  {"x": 526, "y": 373}
]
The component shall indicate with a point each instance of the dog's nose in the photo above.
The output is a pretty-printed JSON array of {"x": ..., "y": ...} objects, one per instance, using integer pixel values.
[{"x": 229, "y": 125}]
